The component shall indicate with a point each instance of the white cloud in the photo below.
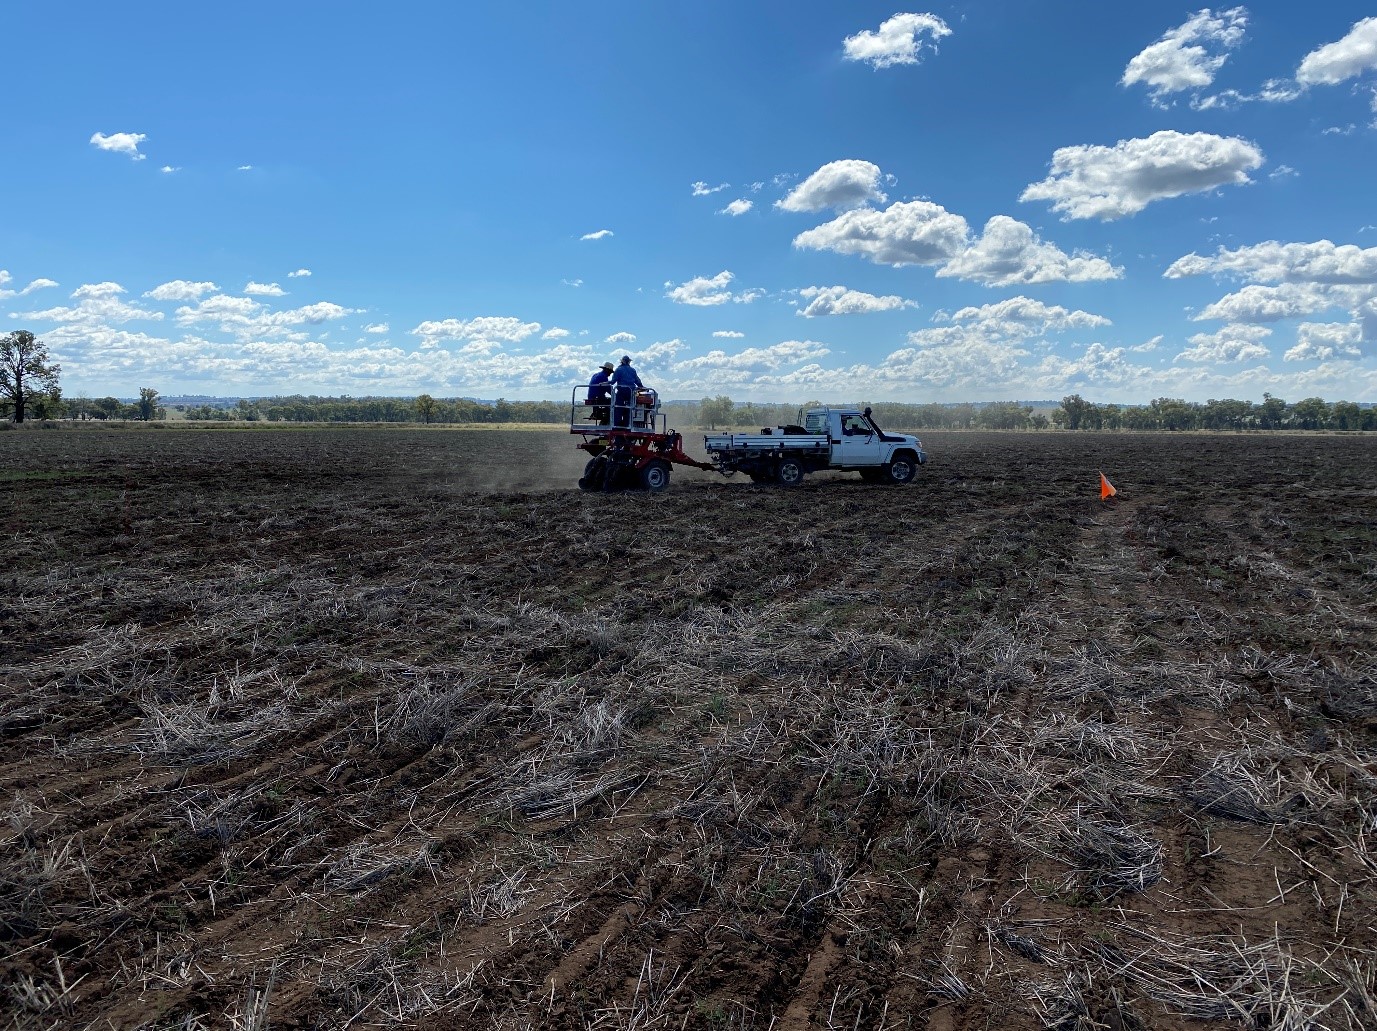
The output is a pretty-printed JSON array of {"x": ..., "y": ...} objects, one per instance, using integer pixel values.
[
  {"x": 180, "y": 290},
  {"x": 1325, "y": 341},
  {"x": 98, "y": 304},
  {"x": 599, "y": 235},
  {"x": 702, "y": 189},
  {"x": 1021, "y": 317},
  {"x": 621, "y": 338},
  {"x": 838, "y": 300},
  {"x": 849, "y": 183},
  {"x": 727, "y": 334},
  {"x": 248, "y": 319},
  {"x": 169, "y": 169},
  {"x": 264, "y": 290},
  {"x": 377, "y": 328},
  {"x": 120, "y": 143},
  {"x": 572, "y": 282},
  {"x": 482, "y": 329},
  {"x": 1255, "y": 303},
  {"x": 299, "y": 273},
  {"x": 1233, "y": 343},
  {"x": 244, "y": 168},
  {"x": 704, "y": 291},
  {"x": 1283, "y": 172},
  {"x": 737, "y": 207},
  {"x": 905, "y": 233},
  {"x": 1008, "y": 253},
  {"x": 37, "y": 284},
  {"x": 752, "y": 360},
  {"x": 1335, "y": 62},
  {"x": 899, "y": 40},
  {"x": 1187, "y": 56},
  {"x": 1275, "y": 262},
  {"x": 1111, "y": 182},
  {"x": 554, "y": 333},
  {"x": 92, "y": 290},
  {"x": 1149, "y": 345}
]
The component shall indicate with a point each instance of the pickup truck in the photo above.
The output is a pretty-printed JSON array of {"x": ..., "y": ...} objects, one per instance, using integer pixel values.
[{"x": 844, "y": 439}]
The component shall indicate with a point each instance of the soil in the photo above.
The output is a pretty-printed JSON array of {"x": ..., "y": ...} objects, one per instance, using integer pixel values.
[{"x": 396, "y": 728}]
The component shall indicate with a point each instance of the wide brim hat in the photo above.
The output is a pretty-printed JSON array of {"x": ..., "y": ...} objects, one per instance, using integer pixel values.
[{"x": 608, "y": 366}]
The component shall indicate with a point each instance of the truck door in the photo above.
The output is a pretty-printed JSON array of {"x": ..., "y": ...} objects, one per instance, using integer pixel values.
[{"x": 855, "y": 442}]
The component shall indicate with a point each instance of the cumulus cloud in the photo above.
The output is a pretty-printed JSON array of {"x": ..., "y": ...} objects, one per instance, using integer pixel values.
[
  {"x": 838, "y": 300},
  {"x": 299, "y": 273},
  {"x": 849, "y": 183},
  {"x": 1188, "y": 56},
  {"x": 1334, "y": 62},
  {"x": 753, "y": 359},
  {"x": 168, "y": 169},
  {"x": 181, "y": 290},
  {"x": 1110, "y": 182},
  {"x": 702, "y": 189},
  {"x": 97, "y": 304},
  {"x": 377, "y": 328},
  {"x": 599, "y": 235},
  {"x": 1020, "y": 317},
  {"x": 37, "y": 284},
  {"x": 727, "y": 334},
  {"x": 248, "y": 319},
  {"x": 1233, "y": 343},
  {"x": 1008, "y": 253},
  {"x": 572, "y": 282},
  {"x": 483, "y": 329},
  {"x": 264, "y": 290},
  {"x": 1256, "y": 303},
  {"x": 899, "y": 40},
  {"x": 737, "y": 207},
  {"x": 906, "y": 233},
  {"x": 708, "y": 291},
  {"x": 120, "y": 143},
  {"x": 554, "y": 333},
  {"x": 1274, "y": 262},
  {"x": 621, "y": 338},
  {"x": 1325, "y": 341}
]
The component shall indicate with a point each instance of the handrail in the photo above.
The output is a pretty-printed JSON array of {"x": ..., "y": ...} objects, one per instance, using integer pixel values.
[{"x": 637, "y": 413}]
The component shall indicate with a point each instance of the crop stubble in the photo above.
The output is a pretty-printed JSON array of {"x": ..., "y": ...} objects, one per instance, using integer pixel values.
[{"x": 379, "y": 728}]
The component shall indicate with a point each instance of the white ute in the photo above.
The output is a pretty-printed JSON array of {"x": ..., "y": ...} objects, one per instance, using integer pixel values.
[{"x": 843, "y": 439}]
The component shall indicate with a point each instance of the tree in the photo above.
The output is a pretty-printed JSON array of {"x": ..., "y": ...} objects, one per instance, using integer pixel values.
[
  {"x": 25, "y": 372},
  {"x": 1076, "y": 409},
  {"x": 715, "y": 411},
  {"x": 425, "y": 408},
  {"x": 50, "y": 405},
  {"x": 148, "y": 403}
]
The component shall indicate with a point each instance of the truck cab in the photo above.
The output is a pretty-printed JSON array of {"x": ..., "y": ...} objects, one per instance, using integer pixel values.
[{"x": 843, "y": 439}]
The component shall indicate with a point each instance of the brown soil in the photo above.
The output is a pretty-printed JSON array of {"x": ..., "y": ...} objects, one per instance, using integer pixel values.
[{"x": 354, "y": 728}]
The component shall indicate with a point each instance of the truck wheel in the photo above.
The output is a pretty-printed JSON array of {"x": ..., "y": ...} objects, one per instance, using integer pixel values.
[
  {"x": 789, "y": 472},
  {"x": 655, "y": 476},
  {"x": 901, "y": 469}
]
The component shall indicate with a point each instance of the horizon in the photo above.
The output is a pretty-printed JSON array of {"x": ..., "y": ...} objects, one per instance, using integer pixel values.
[{"x": 769, "y": 201}]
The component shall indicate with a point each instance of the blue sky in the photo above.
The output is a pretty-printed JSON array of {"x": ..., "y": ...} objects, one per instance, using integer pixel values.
[{"x": 982, "y": 200}]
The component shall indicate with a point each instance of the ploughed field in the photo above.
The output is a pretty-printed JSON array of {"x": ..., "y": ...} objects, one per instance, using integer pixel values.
[{"x": 388, "y": 728}]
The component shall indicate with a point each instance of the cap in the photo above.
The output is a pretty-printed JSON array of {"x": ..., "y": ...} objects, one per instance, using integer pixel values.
[{"x": 626, "y": 359}]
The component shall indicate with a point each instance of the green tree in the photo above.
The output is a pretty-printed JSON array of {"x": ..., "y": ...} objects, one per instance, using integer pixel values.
[
  {"x": 148, "y": 403},
  {"x": 715, "y": 411},
  {"x": 1076, "y": 409},
  {"x": 426, "y": 408},
  {"x": 25, "y": 372},
  {"x": 49, "y": 405}
]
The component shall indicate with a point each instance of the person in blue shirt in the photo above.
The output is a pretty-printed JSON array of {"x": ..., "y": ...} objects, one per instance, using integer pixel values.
[
  {"x": 625, "y": 382},
  {"x": 600, "y": 393}
]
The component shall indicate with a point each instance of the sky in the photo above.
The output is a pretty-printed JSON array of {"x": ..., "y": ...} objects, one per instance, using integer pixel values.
[{"x": 979, "y": 200}]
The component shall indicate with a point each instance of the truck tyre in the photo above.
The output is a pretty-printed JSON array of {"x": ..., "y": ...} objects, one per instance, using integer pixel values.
[
  {"x": 789, "y": 472},
  {"x": 901, "y": 468},
  {"x": 655, "y": 476}
]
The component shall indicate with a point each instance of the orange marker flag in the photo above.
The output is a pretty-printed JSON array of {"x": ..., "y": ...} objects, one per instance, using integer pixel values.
[{"x": 1107, "y": 489}]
